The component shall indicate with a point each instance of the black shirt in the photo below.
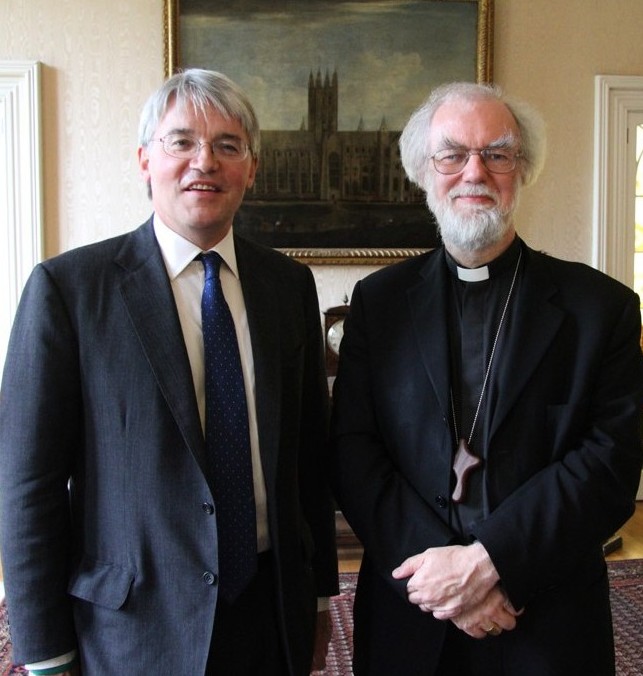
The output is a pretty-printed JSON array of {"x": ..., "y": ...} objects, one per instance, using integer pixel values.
[{"x": 475, "y": 316}]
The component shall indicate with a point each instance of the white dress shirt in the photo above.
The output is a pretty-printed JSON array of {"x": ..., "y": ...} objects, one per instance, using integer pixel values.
[{"x": 187, "y": 278}]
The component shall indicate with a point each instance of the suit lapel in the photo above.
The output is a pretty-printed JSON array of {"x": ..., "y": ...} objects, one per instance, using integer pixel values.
[
  {"x": 536, "y": 323},
  {"x": 148, "y": 297},
  {"x": 428, "y": 307}
]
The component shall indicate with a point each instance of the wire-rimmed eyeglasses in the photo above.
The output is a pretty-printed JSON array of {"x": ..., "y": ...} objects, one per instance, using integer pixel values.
[
  {"x": 186, "y": 147},
  {"x": 496, "y": 160}
]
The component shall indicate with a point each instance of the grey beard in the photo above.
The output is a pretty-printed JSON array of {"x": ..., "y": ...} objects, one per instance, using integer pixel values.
[{"x": 473, "y": 231}]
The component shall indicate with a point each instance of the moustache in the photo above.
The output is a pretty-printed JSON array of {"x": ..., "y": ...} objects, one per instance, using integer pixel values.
[{"x": 473, "y": 191}]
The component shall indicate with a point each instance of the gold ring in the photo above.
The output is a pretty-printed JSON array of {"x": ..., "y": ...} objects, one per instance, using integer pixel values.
[{"x": 494, "y": 630}]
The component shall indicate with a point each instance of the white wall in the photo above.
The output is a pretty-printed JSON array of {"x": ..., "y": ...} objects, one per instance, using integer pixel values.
[{"x": 101, "y": 60}]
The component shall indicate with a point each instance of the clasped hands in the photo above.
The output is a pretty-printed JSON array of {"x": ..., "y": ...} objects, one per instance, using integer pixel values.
[{"x": 461, "y": 584}]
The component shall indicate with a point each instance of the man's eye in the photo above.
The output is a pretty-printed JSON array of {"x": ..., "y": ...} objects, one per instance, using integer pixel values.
[
  {"x": 496, "y": 156},
  {"x": 453, "y": 158},
  {"x": 229, "y": 148},
  {"x": 181, "y": 143}
]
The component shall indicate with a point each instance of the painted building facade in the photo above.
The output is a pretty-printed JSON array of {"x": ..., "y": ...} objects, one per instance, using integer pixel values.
[{"x": 319, "y": 162}]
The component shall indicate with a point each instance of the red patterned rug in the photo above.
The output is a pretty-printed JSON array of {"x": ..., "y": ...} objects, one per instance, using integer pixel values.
[
  {"x": 626, "y": 595},
  {"x": 626, "y": 592}
]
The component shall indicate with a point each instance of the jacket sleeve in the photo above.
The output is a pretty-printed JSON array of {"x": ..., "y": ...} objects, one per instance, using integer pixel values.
[
  {"x": 40, "y": 434},
  {"x": 544, "y": 532},
  {"x": 378, "y": 441},
  {"x": 317, "y": 502}
]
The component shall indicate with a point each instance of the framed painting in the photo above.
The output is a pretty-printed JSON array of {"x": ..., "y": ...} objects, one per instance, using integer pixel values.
[{"x": 333, "y": 83}]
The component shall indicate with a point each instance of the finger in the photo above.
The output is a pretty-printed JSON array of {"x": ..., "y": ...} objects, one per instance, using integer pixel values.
[
  {"x": 473, "y": 631},
  {"x": 406, "y": 568},
  {"x": 505, "y": 621},
  {"x": 446, "y": 613},
  {"x": 493, "y": 629}
]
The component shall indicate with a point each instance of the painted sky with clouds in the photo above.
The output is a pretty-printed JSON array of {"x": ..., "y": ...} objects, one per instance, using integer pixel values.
[{"x": 388, "y": 54}]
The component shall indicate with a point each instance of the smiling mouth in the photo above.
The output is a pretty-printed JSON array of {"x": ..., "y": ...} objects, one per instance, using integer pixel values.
[
  {"x": 472, "y": 192},
  {"x": 203, "y": 187},
  {"x": 476, "y": 200}
]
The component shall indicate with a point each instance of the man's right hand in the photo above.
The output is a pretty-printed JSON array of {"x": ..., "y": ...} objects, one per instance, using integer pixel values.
[{"x": 490, "y": 617}]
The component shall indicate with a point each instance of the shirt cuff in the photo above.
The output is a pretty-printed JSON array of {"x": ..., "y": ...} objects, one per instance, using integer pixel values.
[{"x": 56, "y": 665}]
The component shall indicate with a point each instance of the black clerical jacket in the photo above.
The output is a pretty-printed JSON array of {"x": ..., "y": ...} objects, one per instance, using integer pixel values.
[{"x": 563, "y": 466}]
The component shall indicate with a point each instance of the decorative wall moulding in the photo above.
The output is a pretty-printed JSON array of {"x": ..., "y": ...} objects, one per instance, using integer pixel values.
[{"x": 21, "y": 191}]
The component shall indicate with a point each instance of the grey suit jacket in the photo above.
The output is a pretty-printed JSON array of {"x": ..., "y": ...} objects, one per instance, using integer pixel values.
[{"x": 107, "y": 539}]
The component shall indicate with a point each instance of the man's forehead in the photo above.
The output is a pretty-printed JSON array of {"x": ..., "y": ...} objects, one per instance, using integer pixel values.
[
  {"x": 186, "y": 116},
  {"x": 179, "y": 108},
  {"x": 480, "y": 121}
]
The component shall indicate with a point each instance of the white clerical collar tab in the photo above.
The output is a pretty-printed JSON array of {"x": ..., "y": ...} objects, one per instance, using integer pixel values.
[{"x": 473, "y": 275}]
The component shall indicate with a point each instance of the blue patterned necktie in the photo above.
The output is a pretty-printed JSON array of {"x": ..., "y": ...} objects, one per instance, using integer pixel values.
[{"x": 227, "y": 437}]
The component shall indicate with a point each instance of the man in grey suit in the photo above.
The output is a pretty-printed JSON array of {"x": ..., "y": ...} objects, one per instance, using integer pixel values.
[
  {"x": 109, "y": 513},
  {"x": 486, "y": 422}
]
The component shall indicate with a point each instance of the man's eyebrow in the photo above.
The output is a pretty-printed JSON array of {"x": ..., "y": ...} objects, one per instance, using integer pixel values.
[
  {"x": 191, "y": 132},
  {"x": 505, "y": 141},
  {"x": 180, "y": 130},
  {"x": 449, "y": 144},
  {"x": 229, "y": 135}
]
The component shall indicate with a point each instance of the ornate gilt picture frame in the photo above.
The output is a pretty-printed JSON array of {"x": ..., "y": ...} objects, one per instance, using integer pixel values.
[{"x": 333, "y": 83}]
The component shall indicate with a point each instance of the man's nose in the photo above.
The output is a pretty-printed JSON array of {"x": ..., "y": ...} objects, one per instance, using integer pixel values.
[
  {"x": 475, "y": 168},
  {"x": 206, "y": 158}
]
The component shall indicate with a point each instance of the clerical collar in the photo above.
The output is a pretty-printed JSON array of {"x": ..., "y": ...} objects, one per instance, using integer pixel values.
[
  {"x": 473, "y": 274},
  {"x": 496, "y": 267}
]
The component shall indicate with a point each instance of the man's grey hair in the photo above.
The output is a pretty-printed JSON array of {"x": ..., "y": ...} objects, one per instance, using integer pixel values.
[
  {"x": 414, "y": 141},
  {"x": 201, "y": 89}
]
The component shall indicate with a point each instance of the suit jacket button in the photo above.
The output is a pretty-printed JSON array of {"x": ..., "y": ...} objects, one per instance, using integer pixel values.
[
  {"x": 210, "y": 578},
  {"x": 207, "y": 508},
  {"x": 441, "y": 501}
]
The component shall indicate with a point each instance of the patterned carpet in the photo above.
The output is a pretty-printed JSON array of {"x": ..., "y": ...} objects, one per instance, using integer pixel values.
[
  {"x": 340, "y": 653},
  {"x": 626, "y": 591},
  {"x": 626, "y": 595}
]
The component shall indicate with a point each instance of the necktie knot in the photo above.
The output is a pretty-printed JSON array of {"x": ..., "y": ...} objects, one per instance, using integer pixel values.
[{"x": 212, "y": 263}]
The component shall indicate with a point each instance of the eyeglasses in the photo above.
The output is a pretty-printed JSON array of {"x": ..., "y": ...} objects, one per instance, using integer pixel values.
[
  {"x": 497, "y": 161},
  {"x": 185, "y": 147}
]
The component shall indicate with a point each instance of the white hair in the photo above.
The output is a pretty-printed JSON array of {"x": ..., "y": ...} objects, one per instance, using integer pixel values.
[{"x": 414, "y": 141}]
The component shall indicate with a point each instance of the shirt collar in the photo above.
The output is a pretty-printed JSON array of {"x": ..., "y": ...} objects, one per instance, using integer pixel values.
[
  {"x": 480, "y": 274},
  {"x": 506, "y": 261},
  {"x": 179, "y": 252}
]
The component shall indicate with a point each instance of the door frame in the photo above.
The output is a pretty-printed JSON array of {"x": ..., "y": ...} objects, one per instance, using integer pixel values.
[{"x": 618, "y": 99}]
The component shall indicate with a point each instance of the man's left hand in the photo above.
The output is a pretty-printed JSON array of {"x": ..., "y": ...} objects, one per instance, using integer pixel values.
[
  {"x": 493, "y": 615},
  {"x": 447, "y": 581}
]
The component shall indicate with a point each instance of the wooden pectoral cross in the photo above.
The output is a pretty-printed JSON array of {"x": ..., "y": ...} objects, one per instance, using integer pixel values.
[{"x": 464, "y": 463}]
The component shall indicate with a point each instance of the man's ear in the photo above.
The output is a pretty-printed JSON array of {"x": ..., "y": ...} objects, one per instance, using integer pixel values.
[
  {"x": 143, "y": 161},
  {"x": 143, "y": 164}
]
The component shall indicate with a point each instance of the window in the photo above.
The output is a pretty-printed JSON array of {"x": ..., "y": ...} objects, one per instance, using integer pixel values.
[
  {"x": 638, "y": 216},
  {"x": 618, "y": 109}
]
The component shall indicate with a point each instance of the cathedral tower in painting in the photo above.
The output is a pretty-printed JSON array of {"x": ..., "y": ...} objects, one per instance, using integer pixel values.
[
  {"x": 323, "y": 105},
  {"x": 325, "y": 187},
  {"x": 321, "y": 163}
]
